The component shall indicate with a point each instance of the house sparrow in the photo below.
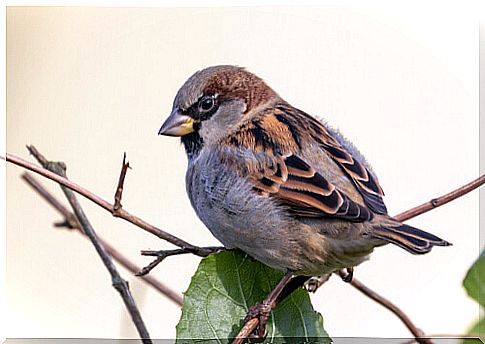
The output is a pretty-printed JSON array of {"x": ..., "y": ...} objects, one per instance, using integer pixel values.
[{"x": 277, "y": 183}]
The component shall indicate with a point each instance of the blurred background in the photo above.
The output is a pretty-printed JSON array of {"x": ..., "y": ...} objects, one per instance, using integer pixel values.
[{"x": 86, "y": 84}]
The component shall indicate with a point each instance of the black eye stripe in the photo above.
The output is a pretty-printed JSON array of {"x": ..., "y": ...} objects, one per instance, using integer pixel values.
[{"x": 203, "y": 108}]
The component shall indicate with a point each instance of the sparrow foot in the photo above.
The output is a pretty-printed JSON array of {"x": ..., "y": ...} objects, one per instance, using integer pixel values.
[
  {"x": 312, "y": 284},
  {"x": 347, "y": 275}
]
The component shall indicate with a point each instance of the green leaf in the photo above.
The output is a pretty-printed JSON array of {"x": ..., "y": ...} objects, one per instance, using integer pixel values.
[
  {"x": 472, "y": 282},
  {"x": 475, "y": 287},
  {"x": 223, "y": 288}
]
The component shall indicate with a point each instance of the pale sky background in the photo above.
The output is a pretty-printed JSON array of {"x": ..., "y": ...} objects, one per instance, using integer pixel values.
[{"x": 86, "y": 84}]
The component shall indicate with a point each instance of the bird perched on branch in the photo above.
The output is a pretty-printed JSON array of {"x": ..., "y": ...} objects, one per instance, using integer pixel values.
[{"x": 275, "y": 182}]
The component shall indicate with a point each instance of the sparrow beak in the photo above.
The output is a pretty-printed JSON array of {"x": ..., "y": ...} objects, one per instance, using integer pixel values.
[{"x": 177, "y": 124}]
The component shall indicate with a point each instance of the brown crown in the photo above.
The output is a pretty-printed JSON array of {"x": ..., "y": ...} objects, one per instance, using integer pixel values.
[{"x": 237, "y": 83}]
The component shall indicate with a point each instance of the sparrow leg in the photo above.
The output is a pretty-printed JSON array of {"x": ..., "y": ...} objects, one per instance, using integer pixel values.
[
  {"x": 347, "y": 276},
  {"x": 262, "y": 310},
  {"x": 295, "y": 283}
]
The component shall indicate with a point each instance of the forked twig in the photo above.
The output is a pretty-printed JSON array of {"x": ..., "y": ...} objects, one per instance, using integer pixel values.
[
  {"x": 121, "y": 213},
  {"x": 70, "y": 221},
  {"x": 162, "y": 254},
  {"x": 121, "y": 181},
  {"x": 118, "y": 282}
]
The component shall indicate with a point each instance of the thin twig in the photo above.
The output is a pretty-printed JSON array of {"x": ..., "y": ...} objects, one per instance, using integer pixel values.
[
  {"x": 418, "y": 334},
  {"x": 437, "y": 202},
  {"x": 70, "y": 221},
  {"x": 121, "y": 213},
  {"x": 162, "y": 254},
  {"x": 118, "y": 282},
  {"x": 121, "y": 181}
]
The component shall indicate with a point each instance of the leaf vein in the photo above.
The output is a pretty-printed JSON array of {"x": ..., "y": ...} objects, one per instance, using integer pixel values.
[
  {"x": 239, "y": 284},
  {"x": 214, "y": 332},
  {"x": 301, "y": 316}
]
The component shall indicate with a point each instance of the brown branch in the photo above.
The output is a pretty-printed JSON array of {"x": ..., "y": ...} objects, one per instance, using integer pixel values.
[
  {"x": 437, "y": 202},
  {"x": 162, "y": 254},
  {"x": 246, "y": 331},
  {"x": 121, "y": 213},
  {"x": 118, "y": 282},
  {"x": 119, "y": 190},
  {"x": 70, "y": 221},
  {"x": 418, "y": 334},
  {"x": 160, "y": 257},
  {"x": 251, "y": 324}
]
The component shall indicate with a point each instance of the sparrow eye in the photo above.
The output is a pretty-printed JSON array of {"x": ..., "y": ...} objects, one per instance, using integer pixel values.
[{"x": 206, "y": 104}]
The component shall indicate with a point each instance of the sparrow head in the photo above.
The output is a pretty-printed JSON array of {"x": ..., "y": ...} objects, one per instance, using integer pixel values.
[{"x": 212, "y": 102}]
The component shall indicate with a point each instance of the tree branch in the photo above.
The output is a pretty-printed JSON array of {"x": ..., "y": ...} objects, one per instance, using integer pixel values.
[
  {"x": 418, "y": 334},
  {"x": 162, "y": 254},
  {"x": 438, "y": 202},
  {"x": 118, "y": 282},
  {"x": 70, "y": 221},
  {"x": 121, "y": 213},
  {"x": 246, "y": 331}
]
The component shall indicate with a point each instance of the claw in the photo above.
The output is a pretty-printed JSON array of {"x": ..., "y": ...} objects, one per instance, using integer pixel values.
[
  {"x": 347, "y": 277},
  {"x": 312, "y": 284}
]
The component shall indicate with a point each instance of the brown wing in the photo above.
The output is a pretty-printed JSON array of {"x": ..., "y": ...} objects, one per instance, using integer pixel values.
[
  {"x": 278, "y": 134},
  {"x": 365, "y": 182},
  {"x": 307, "y": 193},
  {"x": 363, "y": 179}
]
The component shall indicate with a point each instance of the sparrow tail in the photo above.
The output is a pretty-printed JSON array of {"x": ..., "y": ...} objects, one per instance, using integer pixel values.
[{"x": 409, "y": 238}]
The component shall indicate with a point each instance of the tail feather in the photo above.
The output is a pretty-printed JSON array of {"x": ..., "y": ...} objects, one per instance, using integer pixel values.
[{"x": 409, "y": 238}]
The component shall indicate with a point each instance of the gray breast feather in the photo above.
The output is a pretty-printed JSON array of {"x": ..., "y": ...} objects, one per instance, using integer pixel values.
[{"x": 227, "y": 205}]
